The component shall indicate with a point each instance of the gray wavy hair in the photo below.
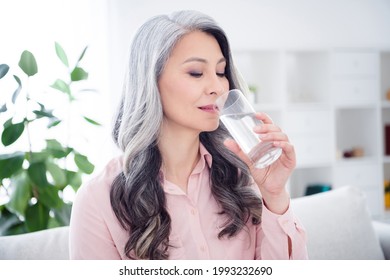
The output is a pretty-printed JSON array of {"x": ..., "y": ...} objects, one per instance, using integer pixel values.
[{"x": 137, "y": 197}]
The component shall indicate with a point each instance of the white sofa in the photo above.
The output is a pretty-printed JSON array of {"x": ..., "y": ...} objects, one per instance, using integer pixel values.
[{"x": 337, "y": 222}]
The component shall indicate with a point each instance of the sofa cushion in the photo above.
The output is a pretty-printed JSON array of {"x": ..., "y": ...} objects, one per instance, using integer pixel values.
[
  {"x": 338, "y": 225},
  {"x": 50, "y": 244},
  {"x": 337, "y": 222},
  {"x": 382, "y": 230}
]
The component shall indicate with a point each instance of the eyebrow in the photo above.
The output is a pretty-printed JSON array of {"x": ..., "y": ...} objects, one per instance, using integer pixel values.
[{"x": 198, "y": 59}]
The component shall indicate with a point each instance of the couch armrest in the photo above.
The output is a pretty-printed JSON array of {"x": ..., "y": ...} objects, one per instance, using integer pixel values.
[
  {"x": 338, "y": 225},
  {"x": 49, "y": 244},
  {"x": 382, "y": 230}
]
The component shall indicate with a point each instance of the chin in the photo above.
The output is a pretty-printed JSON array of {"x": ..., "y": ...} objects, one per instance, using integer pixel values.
[{"x": 210, "y": 127}]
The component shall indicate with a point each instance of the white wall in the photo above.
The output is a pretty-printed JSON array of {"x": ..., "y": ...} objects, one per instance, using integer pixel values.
[
  {"x": 107, "y": 26},
  {"x": 266, "y": 24}
]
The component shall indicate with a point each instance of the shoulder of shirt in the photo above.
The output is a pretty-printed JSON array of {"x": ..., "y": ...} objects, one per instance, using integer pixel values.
[
  {"x": 101, "y": 182},
  {"x": 92, "y": 204}
]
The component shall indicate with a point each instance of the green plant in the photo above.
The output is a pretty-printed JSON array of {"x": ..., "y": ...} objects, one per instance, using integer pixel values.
[{"x": 32, "y": 182}]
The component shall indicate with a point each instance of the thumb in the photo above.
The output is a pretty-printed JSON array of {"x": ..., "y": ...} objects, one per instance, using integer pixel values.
[{"x": 235, "y": 148}]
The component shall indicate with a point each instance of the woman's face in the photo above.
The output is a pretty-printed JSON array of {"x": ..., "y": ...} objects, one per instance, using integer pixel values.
[{"x": 192, "y": 79}]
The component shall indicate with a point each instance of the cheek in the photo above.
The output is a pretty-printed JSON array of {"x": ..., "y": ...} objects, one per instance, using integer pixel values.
[
  {"x": 177, "y": 94},
  {"x": 177, "y": 102},
  {"x": 226, "y": 86}
]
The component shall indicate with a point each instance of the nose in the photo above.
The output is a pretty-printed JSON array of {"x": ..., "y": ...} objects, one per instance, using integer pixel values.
[{"x": 216, "y": 85}]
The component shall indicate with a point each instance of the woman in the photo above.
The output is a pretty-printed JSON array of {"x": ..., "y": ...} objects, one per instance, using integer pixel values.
[{"x": 181, "y": 190}]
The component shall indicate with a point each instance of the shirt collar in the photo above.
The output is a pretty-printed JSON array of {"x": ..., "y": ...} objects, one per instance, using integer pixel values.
[{"x": 205, "y": 158}]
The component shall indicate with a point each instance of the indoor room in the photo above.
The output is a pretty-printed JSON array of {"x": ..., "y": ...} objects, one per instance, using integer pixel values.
[{"x": 319, "y": 69}]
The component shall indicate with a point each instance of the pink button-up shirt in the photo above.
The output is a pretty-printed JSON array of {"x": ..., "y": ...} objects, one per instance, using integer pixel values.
[{"x": 95, "y": 232}]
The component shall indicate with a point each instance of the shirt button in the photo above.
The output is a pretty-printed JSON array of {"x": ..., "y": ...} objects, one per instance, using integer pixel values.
[
  {"x": 193, "y": 211},
  {"x": 202, "y": 248},
  {"x": 285, "y": 223}
]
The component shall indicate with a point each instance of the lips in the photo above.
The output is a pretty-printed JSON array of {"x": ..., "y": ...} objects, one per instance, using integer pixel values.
[{"x": 212, "y": 108}]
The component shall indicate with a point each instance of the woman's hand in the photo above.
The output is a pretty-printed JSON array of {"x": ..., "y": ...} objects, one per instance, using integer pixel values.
[{"x": 272, "y": 179}]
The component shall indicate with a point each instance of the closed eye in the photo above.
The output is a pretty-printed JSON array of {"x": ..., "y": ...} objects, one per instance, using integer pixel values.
[
  {"x": 195, "y": 74},
  {"x": 221, "y": 75}
]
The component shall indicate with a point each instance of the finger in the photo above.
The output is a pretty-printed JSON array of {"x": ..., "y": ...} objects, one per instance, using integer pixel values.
[
  {"x": 288, "y": 152},
  {"x": 265, "y": 118},
  {"x": 264, "y": 128},
  {"x": 274, "y": 136}
]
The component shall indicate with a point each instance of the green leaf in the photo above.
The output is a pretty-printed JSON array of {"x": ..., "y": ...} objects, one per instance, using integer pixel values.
[
  {"x": 3, "y": 108},
  {"x": 17, "y": 79},
  {"x": 16, "y": 94},
  {"x": 62, "y": 214},
  {"x": 28, "y": 63},
  {"x": 37, "y": 173},
  {"x": 40, "y": 156},
  {"x": 10, "y": 164},
  {"x": 7, "y": 123},
  {"x": 49, "y": 196},
  {"x": 53, "y": 223},
  {"x": 12, "y": 133},
  {"x": 37, "y": 217},
  {"x": 10, "y": 223},
  {"x": 83, "y": 163},
  {"x": 53, "y": 122},
  {"x": 73, "y": 179},
  {"x": 92, "y": 121},
  {"x": 78, "y": 74},
  {"x": 18, "y": 90},
  {"x": 44, "y": 113},
  {"x": 61, "y": 86},
  {"x": 61, "y": 54},
  {"x": 3, "y": 70},
  {"x": 82, "y": 54},
  {"x": 58, "y": 174},
  {"x": 56, "y": 150},
  {"x": 20, "y": 196}
]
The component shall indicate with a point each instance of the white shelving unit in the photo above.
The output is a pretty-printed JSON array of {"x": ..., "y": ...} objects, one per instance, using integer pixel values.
[
  {"x": 385, "y": 115},
  {"x": 328, "y": 102}
]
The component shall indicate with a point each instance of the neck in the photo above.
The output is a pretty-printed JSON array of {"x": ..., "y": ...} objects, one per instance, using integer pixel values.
[{"x": 180, "y": 154}]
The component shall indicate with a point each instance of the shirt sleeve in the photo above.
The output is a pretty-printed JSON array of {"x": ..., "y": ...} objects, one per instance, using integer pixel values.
[
  {"x": 89, "y": 236},
  {"x": 273, "y": 236}
]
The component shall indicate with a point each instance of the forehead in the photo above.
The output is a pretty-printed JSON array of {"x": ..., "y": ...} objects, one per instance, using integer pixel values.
[{"x": 198, "y": 44}]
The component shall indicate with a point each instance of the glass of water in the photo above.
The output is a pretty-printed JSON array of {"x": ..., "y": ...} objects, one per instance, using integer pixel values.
[{"x": 238, "y": 116}]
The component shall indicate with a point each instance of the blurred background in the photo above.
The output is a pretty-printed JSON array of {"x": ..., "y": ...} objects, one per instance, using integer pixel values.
[{"x": 321, "y": 69}]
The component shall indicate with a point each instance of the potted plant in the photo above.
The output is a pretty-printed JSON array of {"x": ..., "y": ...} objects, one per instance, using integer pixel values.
[{"x": 32, "y": 181}]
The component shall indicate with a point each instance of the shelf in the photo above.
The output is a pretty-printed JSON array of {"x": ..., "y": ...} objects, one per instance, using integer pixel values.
[
  {"x": 308, "y": 106},
  {"x": 385, "y": 218},
  {"x": 307, "y": 75},
  {"x": 262, "y": 70},
  {"x": 386, "y": 159},
  {"x": 385, "y": 74},
  {"x": 358, "y": 128},
  {"x": 385, "y": 104},
  {"x": 260, "y": 107},
  {"x": 326, "y": 101},
  {"x": 352, "y": 106},
  {"x": 322, "y": 164},
  {"x": 357, "y": 160}
]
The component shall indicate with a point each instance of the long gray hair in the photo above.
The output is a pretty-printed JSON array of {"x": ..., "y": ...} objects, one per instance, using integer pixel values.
[{"x": 137, "y": 196}]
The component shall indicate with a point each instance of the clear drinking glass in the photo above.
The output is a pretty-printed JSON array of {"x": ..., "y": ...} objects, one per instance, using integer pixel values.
[{"x": 238, "y": 116}]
